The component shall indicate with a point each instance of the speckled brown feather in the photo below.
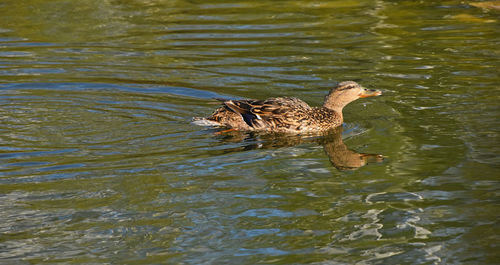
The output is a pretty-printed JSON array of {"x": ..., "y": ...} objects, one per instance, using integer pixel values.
[{"x": 283, "y": 114}]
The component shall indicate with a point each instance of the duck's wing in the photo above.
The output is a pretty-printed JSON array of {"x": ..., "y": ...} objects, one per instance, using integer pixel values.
[{"x": 272, "y": 113}]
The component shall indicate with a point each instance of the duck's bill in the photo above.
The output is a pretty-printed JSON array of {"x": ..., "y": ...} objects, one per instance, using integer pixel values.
[{"x": 369, "y": 93}]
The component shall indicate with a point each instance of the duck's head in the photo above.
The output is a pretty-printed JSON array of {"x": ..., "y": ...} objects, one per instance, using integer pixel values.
[{"x": 346, "y": 92}]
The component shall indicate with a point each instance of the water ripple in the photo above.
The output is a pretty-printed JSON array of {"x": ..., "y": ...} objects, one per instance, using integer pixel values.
[{"x": 99, "y": 162}]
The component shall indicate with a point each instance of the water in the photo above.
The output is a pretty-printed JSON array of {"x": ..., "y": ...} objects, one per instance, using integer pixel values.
[{"x": 99, "y": 162}]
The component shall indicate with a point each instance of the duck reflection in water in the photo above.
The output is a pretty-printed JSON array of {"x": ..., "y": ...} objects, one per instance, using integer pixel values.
[{"x": 340, "y": 156}]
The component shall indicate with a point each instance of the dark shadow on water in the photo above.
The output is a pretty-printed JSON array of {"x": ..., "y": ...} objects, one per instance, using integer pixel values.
[{"x": 338, "y": 153}]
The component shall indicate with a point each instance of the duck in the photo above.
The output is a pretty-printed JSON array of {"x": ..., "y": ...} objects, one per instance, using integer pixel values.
[{"x": 287, "y": 114}]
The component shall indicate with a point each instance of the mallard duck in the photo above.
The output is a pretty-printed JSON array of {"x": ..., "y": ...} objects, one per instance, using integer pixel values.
[{"x": 287, "y": 114}]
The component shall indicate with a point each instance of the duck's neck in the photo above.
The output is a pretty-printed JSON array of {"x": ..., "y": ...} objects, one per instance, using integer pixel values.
[{"x": 336, "y": 104}]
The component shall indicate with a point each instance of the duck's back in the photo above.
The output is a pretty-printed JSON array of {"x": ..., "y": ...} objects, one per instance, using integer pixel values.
[{"x": 280, "y": 114}]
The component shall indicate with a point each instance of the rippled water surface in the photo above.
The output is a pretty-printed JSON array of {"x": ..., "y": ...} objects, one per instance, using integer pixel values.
[{"x": 99, "y": 162}]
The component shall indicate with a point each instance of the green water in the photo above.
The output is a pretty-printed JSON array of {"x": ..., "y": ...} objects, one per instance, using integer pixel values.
[{"x": 99, "y": 162}]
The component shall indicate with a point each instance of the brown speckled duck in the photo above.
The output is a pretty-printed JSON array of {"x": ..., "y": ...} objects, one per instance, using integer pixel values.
[{"x": 287, "y": 114}]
